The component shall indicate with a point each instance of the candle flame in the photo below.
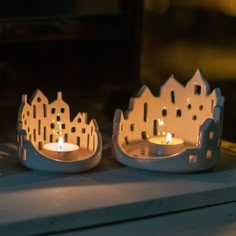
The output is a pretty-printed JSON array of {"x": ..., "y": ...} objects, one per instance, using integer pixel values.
[
  {"x": 60, "y": 143},
  {"x": 168, "y": 138}
]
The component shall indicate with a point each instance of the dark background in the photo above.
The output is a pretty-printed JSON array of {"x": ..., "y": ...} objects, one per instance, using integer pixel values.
[
  {"x": 89, "y": 50},
  {"x": 99, "y": 53}
]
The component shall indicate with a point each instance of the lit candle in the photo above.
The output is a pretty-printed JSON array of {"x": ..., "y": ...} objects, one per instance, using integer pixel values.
[
  {"x": 165, "y": 145},
  {"x": 60, "y": 146}
]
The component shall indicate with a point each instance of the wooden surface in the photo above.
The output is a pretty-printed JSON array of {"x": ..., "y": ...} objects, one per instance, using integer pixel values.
[
  {"x": 217, "y": 220},
  {"x": 34, "y": 202}
]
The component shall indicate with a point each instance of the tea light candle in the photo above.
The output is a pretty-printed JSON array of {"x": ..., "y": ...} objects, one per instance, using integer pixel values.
[
  {"x": 165, "y": 145},
  {"x": 60, "y": 146}
]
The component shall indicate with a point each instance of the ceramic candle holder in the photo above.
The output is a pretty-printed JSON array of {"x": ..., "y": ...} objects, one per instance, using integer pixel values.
[
  {"x": 192, "y": 114},
  {"x": 48, "y": 140}
]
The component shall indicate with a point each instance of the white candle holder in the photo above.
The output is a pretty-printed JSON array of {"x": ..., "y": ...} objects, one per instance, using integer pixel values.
[
  {"x": 42, "y": 124},
  {"x": 191, "y": 113}
]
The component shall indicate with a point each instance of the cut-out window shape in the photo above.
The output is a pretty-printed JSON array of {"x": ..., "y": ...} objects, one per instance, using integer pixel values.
[
  {"x": 78, "y": 141},
  {"x": 58, "y": 118},
  {"x": 144, "y": 135},
  {"x": 38, "y": 99},
  {"x": 79, "y": 120},
  {"x": 52, "y": 125},
  {"x": 178, "y": 113},
  {"x": 44, "y": 133},
  {"x": 132, "y": 127},
  {"x": 24, "y": 154},
  {"x": 189, "y": 106},
  {"x": 145, "y": 111},
  {"x": 88, "y": 138},
  {"x": 40, "y": 144},
  {"x": 126, "y": 140},
  {"x": 62, "y": 110},
  {"x": 164, "y": 112},
  {"x": 155, "y": 127},
  {"x": 73, "y": 129},
  {"x": 53, "y": 110},
  {"x": 83, "y": 130},
  {"x": 192, "y": 159},
  {"x": 209, "y": 154},
  {"x": 39, "y": 127},
  {"x": 211, "y": 135},
  {"x": 200, "y": 107},
  {"x": 34, "y": 135},
  {"x": 65, "y": 137},
  {"x": 172, "y": 95},
  {"x": 44, "y": 110},
  {"x": 194, "y": 117},
  {"x": 197, "y": 89},
  {"x": 63, "y": 126},
  {"x": 34, "y": 111}
]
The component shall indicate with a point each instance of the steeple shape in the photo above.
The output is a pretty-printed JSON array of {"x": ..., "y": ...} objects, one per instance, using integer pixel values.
[{"x": 198, "y": 84}]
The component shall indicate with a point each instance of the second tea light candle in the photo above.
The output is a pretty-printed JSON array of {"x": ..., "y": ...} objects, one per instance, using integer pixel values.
[
  {"x": 165, "y": 145},
  {"x": 60, "y": 147}
]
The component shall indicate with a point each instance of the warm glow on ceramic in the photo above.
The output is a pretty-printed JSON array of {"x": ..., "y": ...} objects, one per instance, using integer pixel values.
[
  {"x": 161, "y": 122},
  {"x": 61, "y": 146},
  {"x": 161, "y": 126}
]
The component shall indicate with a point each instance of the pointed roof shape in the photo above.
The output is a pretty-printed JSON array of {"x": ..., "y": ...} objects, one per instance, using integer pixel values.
[
  {"x": 81, "y": 117},
  {"x": 61, "y": 102},
  {"x": 216, "y": 93},
  {"x": 24, "y": 102},
  {"x": 145, "y": 92},
  {"x": 24, "y": 98},
  {"x": 199, "y": 79},
  {"x": 59, "y": 99},
  {"x": 38, "y": 96},
  {"x": 93, "y": 123},
  {"x": 59, "y": 95},
  {"x": 118, "y": 118},
  {"x": 171, "y": 84}
]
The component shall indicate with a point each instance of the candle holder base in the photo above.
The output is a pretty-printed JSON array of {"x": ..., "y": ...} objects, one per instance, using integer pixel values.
[
  {"x": 41, "y": 122},
  {"x": 137, "y": 155},
  {"x": 74, "y": 162},
  {"x": 191, "y": 113}
]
